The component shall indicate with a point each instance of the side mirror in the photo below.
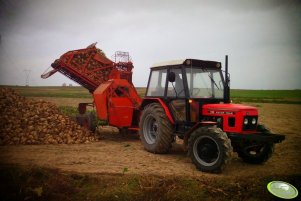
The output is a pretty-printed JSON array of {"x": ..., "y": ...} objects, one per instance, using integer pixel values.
[{"x": 171, "y": 76}]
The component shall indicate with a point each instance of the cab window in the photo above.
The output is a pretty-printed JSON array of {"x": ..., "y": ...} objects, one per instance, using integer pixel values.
[
  {"x": 176, "y": 89},
  {"x": 157, "y": 83}
]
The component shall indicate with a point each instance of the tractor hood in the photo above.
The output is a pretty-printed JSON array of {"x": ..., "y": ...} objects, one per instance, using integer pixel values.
[{"x": 229, "y": 109}]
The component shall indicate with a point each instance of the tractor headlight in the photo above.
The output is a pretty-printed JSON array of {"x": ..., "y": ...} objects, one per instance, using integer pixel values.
[
  {"x": 254, "y": 121},
  {"x": 246, "y": 121}
]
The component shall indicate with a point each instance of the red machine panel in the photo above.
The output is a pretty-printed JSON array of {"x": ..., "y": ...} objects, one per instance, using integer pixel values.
[
  {"x": 227, "y": 111},
  {"x": 115, "y": 102},
  {"x": 120, "y": 112},
  {"x": 100, "y": 96}
]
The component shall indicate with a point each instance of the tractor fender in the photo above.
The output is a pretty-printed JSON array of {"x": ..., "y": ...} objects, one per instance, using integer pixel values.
[
  {"x": 147, "y": 101},
  {"x": 195, "y": 127}
]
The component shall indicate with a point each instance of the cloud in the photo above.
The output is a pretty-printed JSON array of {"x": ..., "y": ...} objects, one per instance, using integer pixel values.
[{"x": 261, "y": 37}]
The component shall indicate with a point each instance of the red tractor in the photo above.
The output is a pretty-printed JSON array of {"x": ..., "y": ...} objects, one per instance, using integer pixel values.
[{"x": 186, "y": 98}]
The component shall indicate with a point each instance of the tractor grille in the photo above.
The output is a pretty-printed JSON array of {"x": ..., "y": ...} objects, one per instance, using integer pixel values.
[{"x": 249, "y": 125}]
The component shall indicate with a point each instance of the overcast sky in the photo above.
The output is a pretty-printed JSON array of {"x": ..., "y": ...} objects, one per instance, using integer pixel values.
[{"x": 262, "y": 38}]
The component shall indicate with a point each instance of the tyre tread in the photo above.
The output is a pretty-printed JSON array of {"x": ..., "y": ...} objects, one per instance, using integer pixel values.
[
  {"x": 221, "y": 137},
  {"x": 165, "y": 138}
]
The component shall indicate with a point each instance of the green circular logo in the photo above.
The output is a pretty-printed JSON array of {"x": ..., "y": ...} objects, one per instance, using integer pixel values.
[{"x": 282, "y": 190}]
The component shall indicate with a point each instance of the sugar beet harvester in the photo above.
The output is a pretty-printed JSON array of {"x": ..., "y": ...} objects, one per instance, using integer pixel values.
[{"x": 185, "y": 98}]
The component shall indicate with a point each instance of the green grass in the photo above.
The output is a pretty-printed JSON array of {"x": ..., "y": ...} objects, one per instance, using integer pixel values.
[
  {"x": 141, "y": 91},
  {"x": 73, "y": 112},
  {"x": 69, "y": 110},
  {"x": 59, "y": 92},
  {"x": 266, "y": 96},
  {"x": 237, "y": 95}
]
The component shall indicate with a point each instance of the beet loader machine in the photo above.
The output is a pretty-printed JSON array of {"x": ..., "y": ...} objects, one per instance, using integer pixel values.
[{"x": 187, "y": 98}]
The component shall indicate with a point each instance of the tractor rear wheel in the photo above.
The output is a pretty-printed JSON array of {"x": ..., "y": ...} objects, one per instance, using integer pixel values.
[
  {"x": 210, "y": 149},
  {"x": 256, "y": 153},
  {"x": 156, "y": 132}
]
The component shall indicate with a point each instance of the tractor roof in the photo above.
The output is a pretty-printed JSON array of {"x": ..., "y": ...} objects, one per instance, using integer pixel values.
[
  {"x": 188, "y": 62},
  {"x": 169, "y": 63}
]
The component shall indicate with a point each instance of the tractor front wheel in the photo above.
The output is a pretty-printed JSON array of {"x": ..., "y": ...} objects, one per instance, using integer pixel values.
[
  {"x": 210, "y": 149},
  {"x": 256, "y": 153},
  {"x": 156, "y": 132}
]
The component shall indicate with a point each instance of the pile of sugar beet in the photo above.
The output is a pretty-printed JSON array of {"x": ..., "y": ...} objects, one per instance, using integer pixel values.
[{"x": 27, "y": 121}]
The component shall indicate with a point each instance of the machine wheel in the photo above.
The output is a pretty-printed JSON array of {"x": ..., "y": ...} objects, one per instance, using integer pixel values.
[
  {"x": 156, "y": 132},
  {"x": 92, "y": 122},
  {"x": 256, "y": 153},
  {"x": 210, "y": 149},
  {"x": 87, "y": 120}
]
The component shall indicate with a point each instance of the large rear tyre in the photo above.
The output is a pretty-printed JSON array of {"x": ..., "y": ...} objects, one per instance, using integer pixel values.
[
  {"x": 210, "y": 149},
  {"x": 156, "y": 132},
  {"x": 256, "y": 153}
]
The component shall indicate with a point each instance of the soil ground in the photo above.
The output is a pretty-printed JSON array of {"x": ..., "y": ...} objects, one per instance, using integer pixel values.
[{"x": 116, "y": 154}]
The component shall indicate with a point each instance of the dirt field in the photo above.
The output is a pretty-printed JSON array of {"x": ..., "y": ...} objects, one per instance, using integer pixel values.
[{"x": 115, "y": 152}]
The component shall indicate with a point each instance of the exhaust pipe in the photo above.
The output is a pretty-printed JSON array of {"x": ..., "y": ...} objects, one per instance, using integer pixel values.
[{"x": 227, "y": 82}]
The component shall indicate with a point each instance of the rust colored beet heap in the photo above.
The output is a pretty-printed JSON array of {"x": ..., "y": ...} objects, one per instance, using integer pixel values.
[{"x": 27, "y": 121}]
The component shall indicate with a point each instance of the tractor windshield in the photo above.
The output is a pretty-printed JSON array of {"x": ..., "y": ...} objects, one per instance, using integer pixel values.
[{"x": 205, "y": 83}]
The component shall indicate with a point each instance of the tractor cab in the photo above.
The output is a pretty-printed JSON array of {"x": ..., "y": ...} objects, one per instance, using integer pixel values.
[
  {"x": 190, "y": 78},
  {"x": 185, "y": 86}
]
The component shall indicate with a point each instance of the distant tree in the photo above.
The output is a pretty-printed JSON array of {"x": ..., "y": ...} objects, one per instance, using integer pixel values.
[
  {"x": 64, "y": 85},
  {"x": 70, "y": 85}
]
